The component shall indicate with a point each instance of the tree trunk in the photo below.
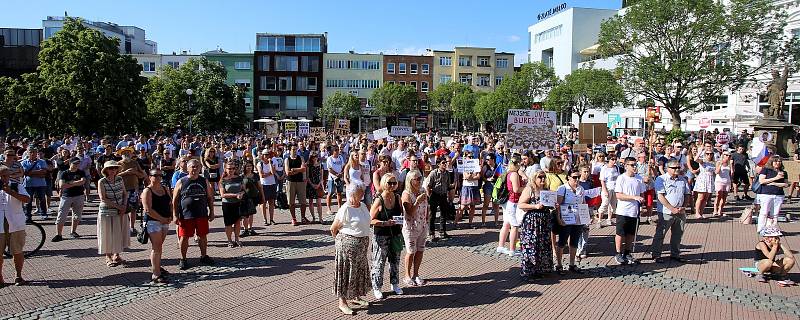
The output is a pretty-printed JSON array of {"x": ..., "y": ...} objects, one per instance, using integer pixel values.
[{"x": 676, "y": 117}]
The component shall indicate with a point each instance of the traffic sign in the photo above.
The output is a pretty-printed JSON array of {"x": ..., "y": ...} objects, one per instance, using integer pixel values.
[{"x": 705, "y": 122}]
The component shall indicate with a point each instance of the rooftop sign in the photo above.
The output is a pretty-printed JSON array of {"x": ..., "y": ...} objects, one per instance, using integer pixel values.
[{"x": 552, "y": 11}]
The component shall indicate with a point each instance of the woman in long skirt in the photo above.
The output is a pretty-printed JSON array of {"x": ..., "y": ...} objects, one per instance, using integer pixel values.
[
  {"x": 351, "y": 229},
  {"x": 113, "y": 233},
  {"x": 537, "y": 251}
]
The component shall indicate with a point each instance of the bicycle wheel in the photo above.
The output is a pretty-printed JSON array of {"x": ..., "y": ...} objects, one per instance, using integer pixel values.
[{"x": 34, "y": 240}]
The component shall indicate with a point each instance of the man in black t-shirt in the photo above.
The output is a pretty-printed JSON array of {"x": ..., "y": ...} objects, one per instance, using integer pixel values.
[
  {"x": 741, "y": 166},
  {"x": 71, "y": 186}
]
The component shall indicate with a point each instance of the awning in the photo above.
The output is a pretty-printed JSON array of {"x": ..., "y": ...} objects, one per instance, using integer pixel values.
[
  {"x": 590, "y": 51},
  {"x": 268, "y": 121}
]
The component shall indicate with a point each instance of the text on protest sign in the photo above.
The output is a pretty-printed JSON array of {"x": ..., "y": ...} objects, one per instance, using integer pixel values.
[
  {"x": 380, "y": 133},
  {"x": 531, "y": 130},
  {"x": 400, "y": 131}
]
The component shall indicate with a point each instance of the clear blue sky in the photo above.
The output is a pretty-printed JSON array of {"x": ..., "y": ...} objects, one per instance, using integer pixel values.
[{"x": 404, "y": 27}]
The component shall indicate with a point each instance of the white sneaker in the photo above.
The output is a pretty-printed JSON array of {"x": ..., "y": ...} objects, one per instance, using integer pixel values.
[
  {"x": 378, "y": 294},
  {"x": 501, "y": 250},
  {"x": 397, "y": 290},
  {"x": 515, "y": 253}
]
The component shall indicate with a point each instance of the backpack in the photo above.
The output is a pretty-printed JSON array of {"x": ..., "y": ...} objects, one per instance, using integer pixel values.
[{"x": 500, "y": 191}]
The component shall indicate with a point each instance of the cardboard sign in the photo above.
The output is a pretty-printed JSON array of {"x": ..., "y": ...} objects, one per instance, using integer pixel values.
[
  {"x": 317, "y": 132},
  {"x": 548, "y": 198},
  {"x": 302, "y": 129},
  {"x": 380, "y": 133},
  {"x": 460, "y": 165},
  {"x": 575, "y": 214},
  {"x": 531, "y": 130},
  {"x": 579, "y": 147},
  {"x": 401, "y": 131},
  {"x": 290, "y": 128},
  {"x": 471, "y": 165},
  {"x": 342, "y": 127}
]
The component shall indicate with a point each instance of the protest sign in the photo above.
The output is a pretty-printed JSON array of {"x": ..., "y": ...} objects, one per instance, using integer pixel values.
[
  {"x": 401, "y": 131},
  {"x": 290, "y": 128},
  {"x": 380, "y": 133},
  {"x": 531, "y": 130},
  {"x": 548, "y": 198},
  {"x": 317, "y": 132},
  {"x": 302, "y": 129},
  {"x": 471, "y": 165}
]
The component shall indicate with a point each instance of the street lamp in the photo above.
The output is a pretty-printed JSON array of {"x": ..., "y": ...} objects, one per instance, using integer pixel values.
[{"x": 191, "y": 112}]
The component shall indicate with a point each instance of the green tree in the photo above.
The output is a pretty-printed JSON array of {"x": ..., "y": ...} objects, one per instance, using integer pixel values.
[
  {"x": 215, "y": 105},
  {"x": 83, "y": 85},
  {"x": 392, "y": 100},
  {"x": 584, "y": 89},
  {"x": 341, "y": 105},
  {"x": 531, "y": 84},
  {"x": 441, "y": 97},
  {"x": 680, "y": 52}
]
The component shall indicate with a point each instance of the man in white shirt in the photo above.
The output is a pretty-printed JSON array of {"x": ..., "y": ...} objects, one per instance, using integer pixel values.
[
  {"x": 335, "y": 164},
  {"x": 628, "y": 188},
  {"x": 608, "y": 178},
  {"x": 399, "y": 154},
  {"x": 12, "y": 223}
]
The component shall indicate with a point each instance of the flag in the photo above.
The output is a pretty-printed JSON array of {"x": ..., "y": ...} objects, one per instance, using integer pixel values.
[{"x": 759, "y": 152}]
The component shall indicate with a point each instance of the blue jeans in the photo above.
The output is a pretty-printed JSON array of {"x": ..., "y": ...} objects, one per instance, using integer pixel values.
[{"x": 37, "y": 193}]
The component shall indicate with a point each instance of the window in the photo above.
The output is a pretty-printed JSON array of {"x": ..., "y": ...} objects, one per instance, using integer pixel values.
[
  {"x": 268, "y": 83},
  {"x": 445, "y": 61},
  {"x": 483, "y": 62},
  {"x": 445, "y": 78},
  {"x": 174, "y": 64},
  {"x": 413, "y": 84},
  {"x": 242, "y": 82},
  {"x": 306, "y": 84},
  {"x": 390, "y": 82},
  {"x": 390, "y": 68},
  {"x": 498, "y": 80},
  {"x": 424, "y": 86},
  {"x": 426, "y": 68},
  {"x": 309, "y": 64},
  {"x": 242, "y": 65},
  {"x": 360, "y": 84},
  {"x": 414, "y": 68},
  {"x": 285, "y": 63},
  {"x": 502, "y": 63},
  {"x": 483, "y": 80},
  {"x": 306, "y": 44},
  {"x": 464, "y": 61},
  {"x": 547, "y": 34},
  {"x": 401, "y": 68},
  {"x": 402, "y": 83},
  {"x": 295, "y": 103},
  {"x": 149, "y": 66},
  {"x": 285, "y": 83},
  {"x": 269, "y": 102},
  {"x": 465, "y": 78},
  {"x": 263, "y": 63}
]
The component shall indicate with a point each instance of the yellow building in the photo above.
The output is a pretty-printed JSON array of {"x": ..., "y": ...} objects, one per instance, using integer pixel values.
[{"x": 481, "y": 68}]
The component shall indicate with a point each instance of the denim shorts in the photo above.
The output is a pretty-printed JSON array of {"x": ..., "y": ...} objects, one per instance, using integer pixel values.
[{"x": 155, "y": 226}]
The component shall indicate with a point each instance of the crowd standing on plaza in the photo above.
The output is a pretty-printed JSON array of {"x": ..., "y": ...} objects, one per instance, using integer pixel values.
[{"x": 386, "y": 195}]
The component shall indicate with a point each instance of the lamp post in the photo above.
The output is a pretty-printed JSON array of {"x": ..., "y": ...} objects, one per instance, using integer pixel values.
[{"x": 191, "y": 111}]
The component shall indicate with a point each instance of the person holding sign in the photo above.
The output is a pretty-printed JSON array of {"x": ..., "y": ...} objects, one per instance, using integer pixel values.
[
  {"x": 629, "y": 188},
  {"x": 571, "y": 201},
  {"x": 534, "y": 234},
  {"x": 470, "y": 192},
  {"x": 672, "y": 190}
]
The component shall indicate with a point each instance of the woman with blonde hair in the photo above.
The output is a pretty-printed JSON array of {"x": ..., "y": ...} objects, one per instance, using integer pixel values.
[
  {"x": 415, "y": 226},
  {"x": 510, "y": 223},
  {"x": 537, "y": 251},
  {"x": 387, "y": 234}
]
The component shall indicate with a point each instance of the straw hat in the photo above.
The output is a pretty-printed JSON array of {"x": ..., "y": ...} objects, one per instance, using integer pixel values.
[
  {"x": 123, "y": 150},
  {"x": 109, "y": 164}
]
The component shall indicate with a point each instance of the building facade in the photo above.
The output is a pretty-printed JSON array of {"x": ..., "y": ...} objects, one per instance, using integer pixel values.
[
  {"x": 287, "y": 74},
  {"x": 353, "y": 73},
  {"x": 239, "y": 67},
  {"x": 415, "y": 71},
  {"x": 19, "y": 51},
  {"x": 132, "y": 39},
  {"x": 483, "y": 69},
  {"x": 151, "y": 63}
]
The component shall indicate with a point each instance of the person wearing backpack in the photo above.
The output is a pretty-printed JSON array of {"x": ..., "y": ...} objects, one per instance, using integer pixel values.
[{"x": 513, "y": 183}]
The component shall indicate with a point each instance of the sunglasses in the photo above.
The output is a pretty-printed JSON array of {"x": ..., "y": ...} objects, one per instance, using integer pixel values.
[
  {"x": 674, "y": 168},
  {"x": 157, "y": 175},
  {"x": 575, "y": 177},
  {"x": 542, "y": 177},
  {"x": 392, "y": 183}
]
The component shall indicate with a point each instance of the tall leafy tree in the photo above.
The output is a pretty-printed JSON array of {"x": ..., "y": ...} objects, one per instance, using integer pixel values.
[
  {"x": 680, "y": 52},
  {"x": 392, "y": 100},
  {"x": 530, "y": 84},
  {"x": 215, "y": 105},
  {"x": 584, "y": 89},
  {"x": 441, "y": 97},
  {"x": 84, "y": 85},
  {"x": 341, "y": 105}
]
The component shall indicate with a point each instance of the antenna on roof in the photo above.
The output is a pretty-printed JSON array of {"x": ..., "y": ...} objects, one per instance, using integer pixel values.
[{"x": 65, "y": 13}]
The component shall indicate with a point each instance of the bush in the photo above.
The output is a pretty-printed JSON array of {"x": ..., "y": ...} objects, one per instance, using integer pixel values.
[{"x": 675, "y": 134}]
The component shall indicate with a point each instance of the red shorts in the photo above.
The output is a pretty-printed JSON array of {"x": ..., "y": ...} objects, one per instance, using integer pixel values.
[
  {"x": 649, "y": 196},
  {"x": 188, "y": 227}
]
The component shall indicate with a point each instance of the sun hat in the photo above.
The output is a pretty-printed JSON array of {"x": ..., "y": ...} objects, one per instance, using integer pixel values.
[
  {"x": 109, "y": 164},
  {"x": 771, "y": 231},
  {"x": 125, "y": 149}
]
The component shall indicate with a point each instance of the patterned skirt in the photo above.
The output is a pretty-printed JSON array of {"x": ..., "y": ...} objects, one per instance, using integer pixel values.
[
  {"x": 352, "y": 277},
  {"x": 537, "y": 253},
  {"x": 704, "y": 182},
  {"x": 470, "y": 195}
]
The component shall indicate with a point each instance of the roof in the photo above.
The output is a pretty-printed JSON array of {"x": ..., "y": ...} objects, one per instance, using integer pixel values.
[{"x": 293, "y": 34}]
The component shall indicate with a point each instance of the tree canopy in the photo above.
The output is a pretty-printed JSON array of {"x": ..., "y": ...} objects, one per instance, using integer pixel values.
[
  {"x": 393, "y": 99},
  {"x": 681, "y": 52},
  {"x": 341, "y": 105},
  {"x": 531, "y": 84},
  {"x": 584, "y": 89}
]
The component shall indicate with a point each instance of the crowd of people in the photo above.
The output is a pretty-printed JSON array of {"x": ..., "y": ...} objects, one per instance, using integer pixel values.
[{"x": 385, "y": 195}]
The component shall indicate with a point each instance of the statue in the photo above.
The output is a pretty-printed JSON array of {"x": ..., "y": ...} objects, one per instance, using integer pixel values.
[{"x": 776, "y": 94}]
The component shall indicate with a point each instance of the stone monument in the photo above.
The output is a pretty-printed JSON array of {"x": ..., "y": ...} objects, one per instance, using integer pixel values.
[{"x": 774, "y": 127}]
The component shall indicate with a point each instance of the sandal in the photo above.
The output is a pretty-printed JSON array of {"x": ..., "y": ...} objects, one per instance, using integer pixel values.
[
  {"x": 158, "y": 280},
  {"x": 346, "y": 310},
  {"x": 111, "y": 263},
  {"x": 360, "y": 302},
  {"x": 294, "y": 222},
  {"x": 231, "y": 245},
  {"x": 305, "y": 221}
]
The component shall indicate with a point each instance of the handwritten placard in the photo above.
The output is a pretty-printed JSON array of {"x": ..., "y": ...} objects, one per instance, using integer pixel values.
[
  {"x": 471, "y": 165},
  {"x": 548, "y": 198},
  {"x": 380, "y": 133},
  {"x": 575, "y": 214}
]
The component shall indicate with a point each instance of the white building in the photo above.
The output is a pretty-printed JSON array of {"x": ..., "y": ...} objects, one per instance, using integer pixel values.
[
  {"x": 153, "y": 62},
  {"x": 131, "y": 38},
  {"x": 567, "y": 40}
]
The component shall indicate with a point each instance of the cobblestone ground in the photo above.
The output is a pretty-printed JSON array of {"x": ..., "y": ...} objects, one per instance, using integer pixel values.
[{"x": 287, "y": 272}]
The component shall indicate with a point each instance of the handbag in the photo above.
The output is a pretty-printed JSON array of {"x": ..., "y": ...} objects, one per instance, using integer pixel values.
[
  {"x": 396, "y": 242},
  {"x": 143, "y": 236}
]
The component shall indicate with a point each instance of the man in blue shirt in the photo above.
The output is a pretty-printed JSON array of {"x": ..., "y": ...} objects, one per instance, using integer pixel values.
[
  {"x": 673, "y": 192},
  {"x": 473, "y": 147},
  {"x": 35, "y": 170}
]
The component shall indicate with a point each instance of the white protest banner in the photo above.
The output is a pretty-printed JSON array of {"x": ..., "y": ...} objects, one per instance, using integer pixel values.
[
  {"x": 531, "y": 129},
  {"x": 302, "y": 129},
  {"x": 583, "y": 214},
  {"x": 569, "y": 214},
  {"x": 401, "y": 131},
  {"x": 380, "y": 133},
  {"x": 548, "y": 198},
  {"x": 471, "y": 165}
]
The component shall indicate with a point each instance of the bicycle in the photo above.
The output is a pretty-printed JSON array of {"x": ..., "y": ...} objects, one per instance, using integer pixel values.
[{"x": 34, "y": 239}]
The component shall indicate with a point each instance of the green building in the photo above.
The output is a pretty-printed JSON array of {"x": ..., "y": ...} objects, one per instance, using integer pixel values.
[{"x": 240, "y": 72}]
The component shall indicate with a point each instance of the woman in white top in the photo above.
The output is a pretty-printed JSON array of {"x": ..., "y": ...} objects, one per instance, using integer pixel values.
[
  {"x": 352, "y": 169},
  {"x": 351, "y": 229},
  {"x": 266, "y": 173},
  {"x": 415, "y": 226},
  {"x": 704, "y": 183},
  {"x": 366, "y": 173},
  {"x": 722, "y": 182}
]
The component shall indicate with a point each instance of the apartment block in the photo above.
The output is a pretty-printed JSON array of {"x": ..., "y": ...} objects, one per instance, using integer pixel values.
[
  {"x": 415, "y": 71},
  {"x": 239, "y": 67},
  {"x": 151, "y": 63},
  {"x": 481, "y": 68}
]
